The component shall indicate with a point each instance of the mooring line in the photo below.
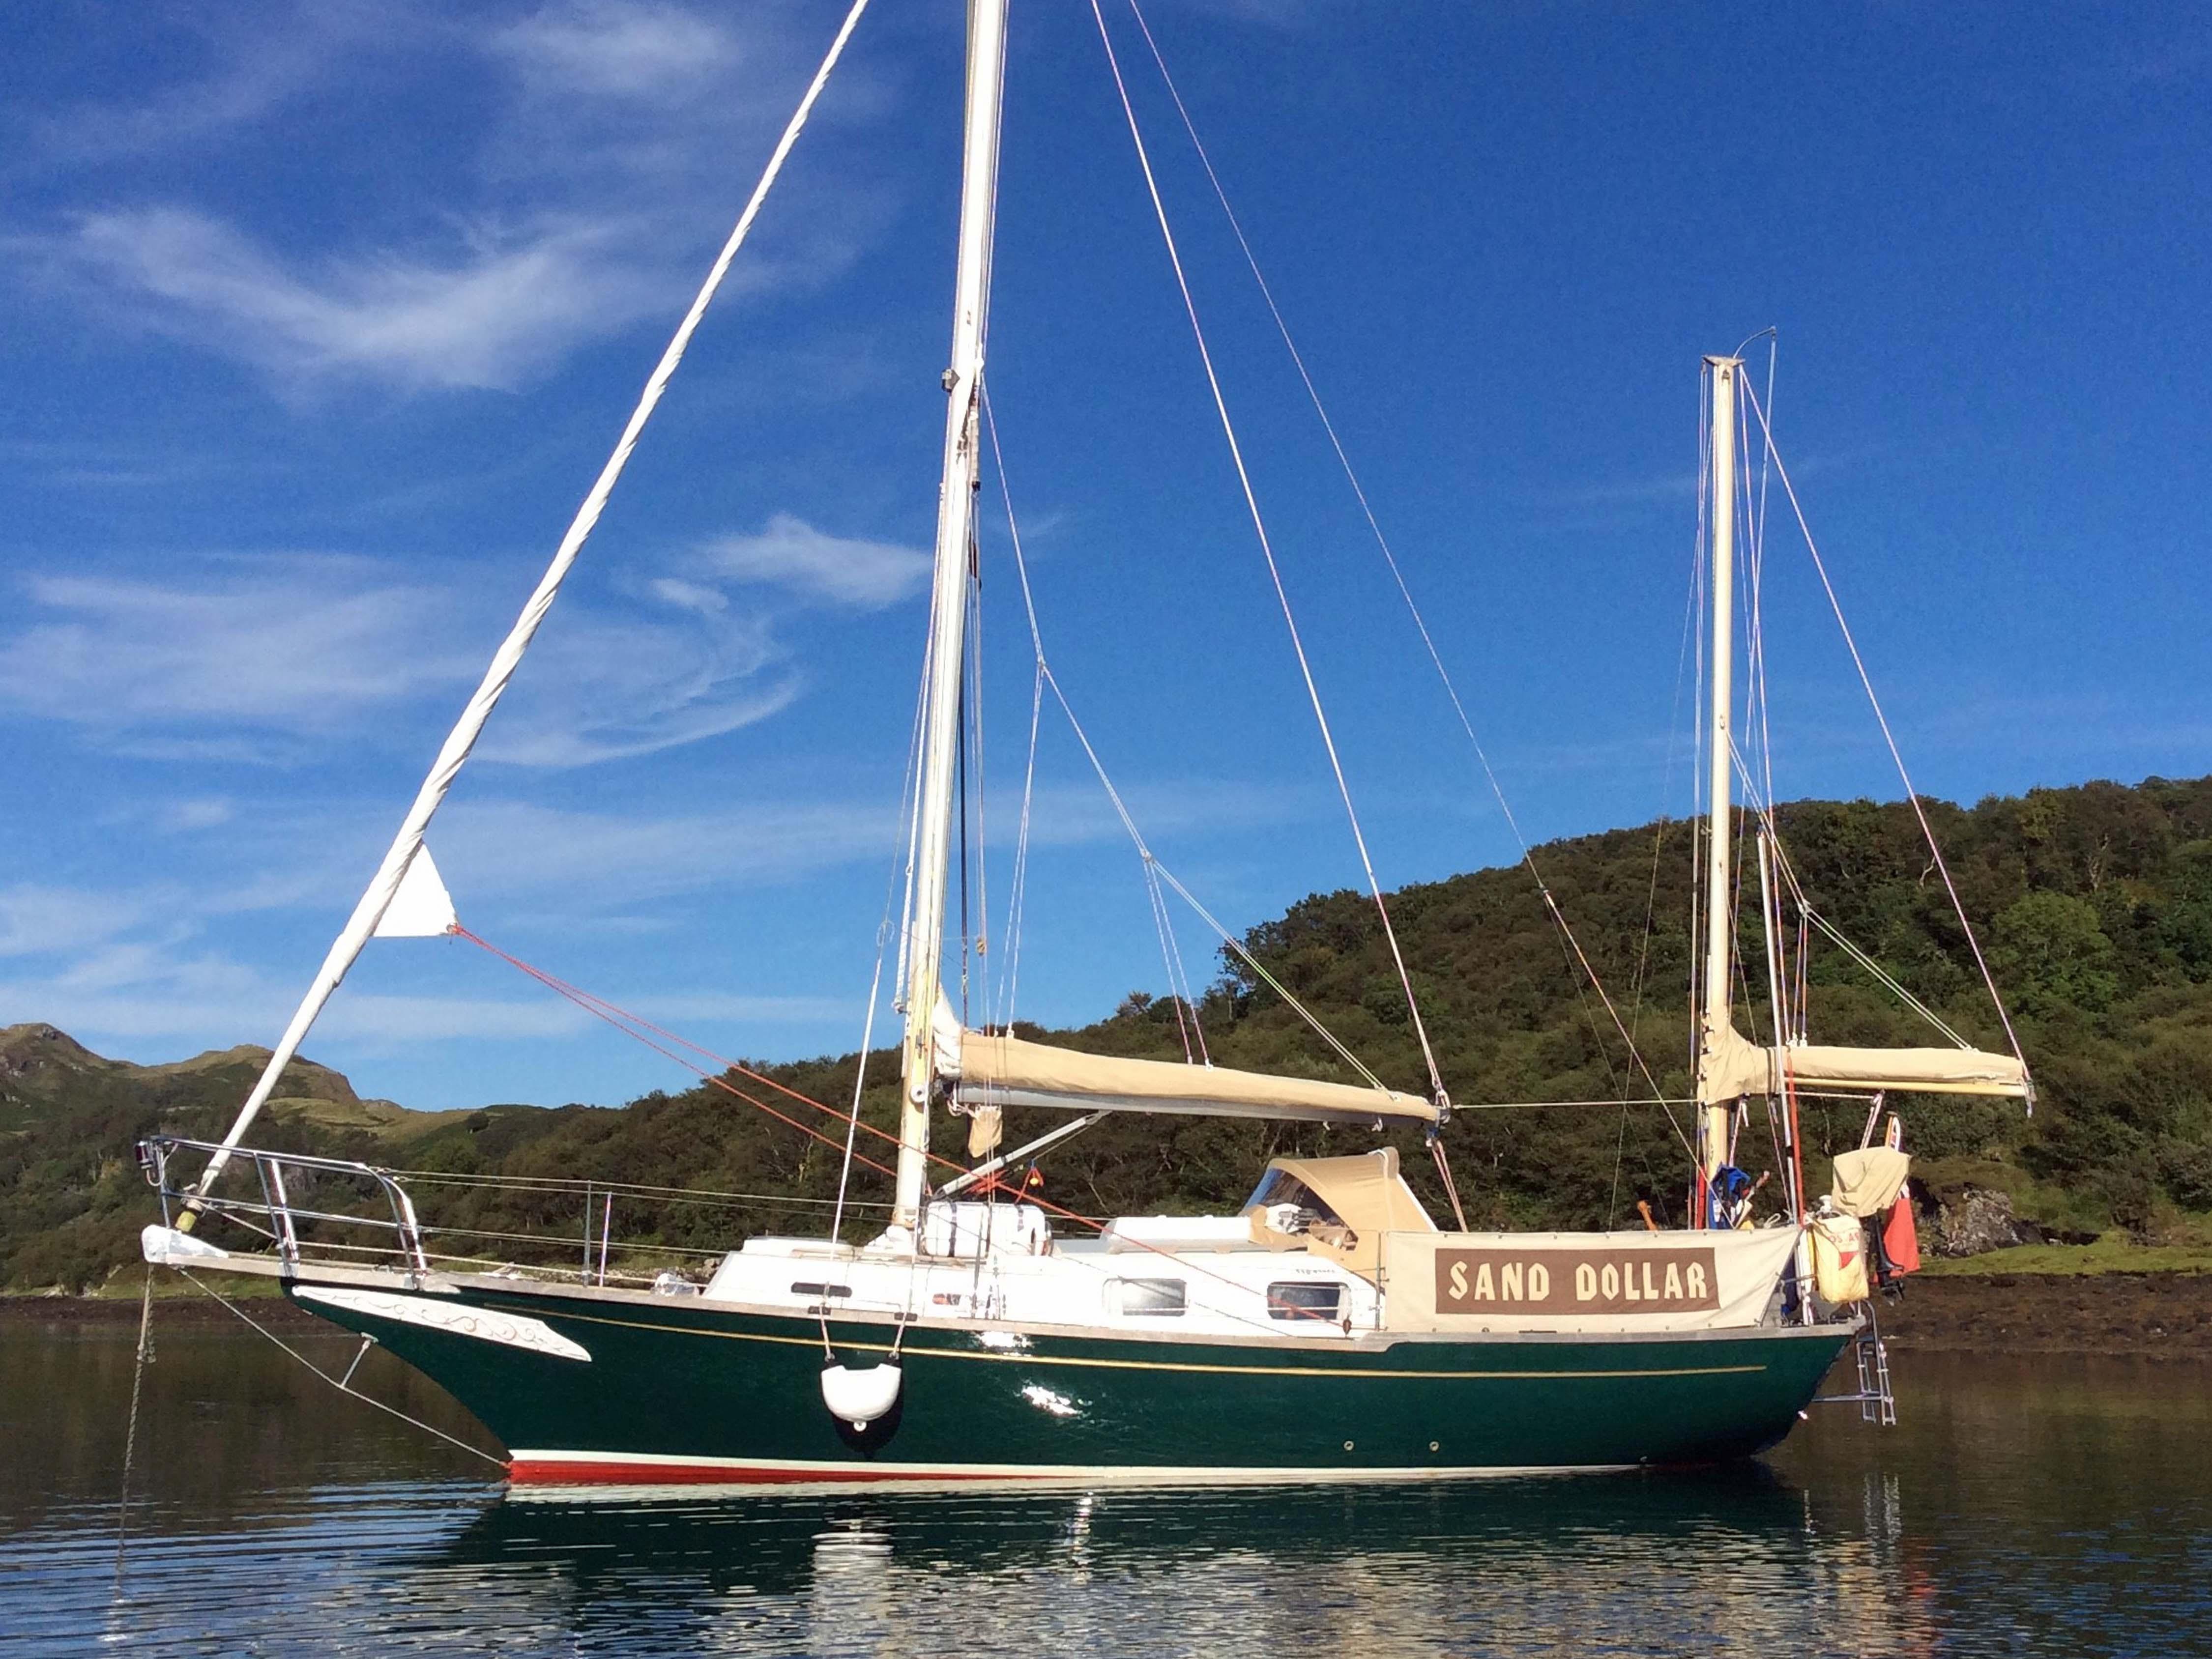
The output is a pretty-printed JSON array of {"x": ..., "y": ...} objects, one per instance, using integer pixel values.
[
  {"x": 131, "y": 1434},
  {"x": 342, "y": 1387}
]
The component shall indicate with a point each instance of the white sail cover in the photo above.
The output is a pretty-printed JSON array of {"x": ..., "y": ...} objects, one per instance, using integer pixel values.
[
  {"x": 420, "y": 908},
  {"x": 1010, "y": 1071},
  {"x": 1733, "y": 1068}
]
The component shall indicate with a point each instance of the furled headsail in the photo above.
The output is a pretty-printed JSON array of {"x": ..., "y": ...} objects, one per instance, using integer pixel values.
[
  {"x": 1733, "y": 1067},
  {"x": 1012, "y": 1071}
]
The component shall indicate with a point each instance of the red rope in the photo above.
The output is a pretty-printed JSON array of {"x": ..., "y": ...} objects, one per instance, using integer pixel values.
[
  {"x": 623, "y": 1021},
  {"x": 601, "y": 1008},
  {"x": 614, "y": 1013}
]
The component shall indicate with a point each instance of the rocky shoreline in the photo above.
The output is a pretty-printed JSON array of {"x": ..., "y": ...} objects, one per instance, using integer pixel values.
[{"x": 2159, "y": 1315}]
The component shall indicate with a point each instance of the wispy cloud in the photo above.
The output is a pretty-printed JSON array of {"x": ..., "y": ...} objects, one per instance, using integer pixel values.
[
  {"x": 498, "y": 850},
  {"x": 37, "y": 919},
  {"x": 243, "y": 69},
  {"x": 629, "y": 51},
  {"x": 258, "y": 659},
  {"x": 569, "y": 210},
  {"x": 493, "y": 309},
  {"x": 299, "y": 645},
  {"x": 603, "y": 685},
  {"x": 792, "y": 554}
]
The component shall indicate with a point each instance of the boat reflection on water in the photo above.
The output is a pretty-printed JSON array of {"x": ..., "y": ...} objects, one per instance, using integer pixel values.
[
  {"x": 1721, "y": 1560},
  {"x": 2025, "y": 1505}
]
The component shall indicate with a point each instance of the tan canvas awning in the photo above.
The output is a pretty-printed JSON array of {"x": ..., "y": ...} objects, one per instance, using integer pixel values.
[
  {"x": 1737, "y": 1067},
  {"x": 1011, "y": 1071},
  {"x": 1361, "y": 1198}
]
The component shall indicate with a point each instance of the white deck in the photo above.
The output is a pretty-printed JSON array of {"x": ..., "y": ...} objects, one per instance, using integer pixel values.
[{"x": 1197, "y": 1275}]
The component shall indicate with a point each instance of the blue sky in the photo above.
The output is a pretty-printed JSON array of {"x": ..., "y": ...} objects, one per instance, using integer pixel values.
[{"x": 321, "y": 317}]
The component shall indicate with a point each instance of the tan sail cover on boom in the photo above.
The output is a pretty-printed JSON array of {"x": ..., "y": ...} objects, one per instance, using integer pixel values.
[
  {"x": 1735, "y": 1068},
  {"x": 1013, "y": 1071}
]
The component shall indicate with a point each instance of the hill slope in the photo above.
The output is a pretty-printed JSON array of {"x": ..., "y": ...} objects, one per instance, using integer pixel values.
[{"x": 2094, "y": 906}]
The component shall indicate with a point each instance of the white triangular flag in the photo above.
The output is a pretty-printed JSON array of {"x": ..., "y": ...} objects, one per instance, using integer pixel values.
[{"x": 421, "y": 908}]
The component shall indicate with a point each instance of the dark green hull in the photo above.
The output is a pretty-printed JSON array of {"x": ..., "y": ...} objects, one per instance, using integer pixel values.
[{"x": 679, "y": 1391}]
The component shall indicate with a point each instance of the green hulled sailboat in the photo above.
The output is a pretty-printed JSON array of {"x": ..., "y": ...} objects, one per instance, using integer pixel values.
[{"x": 1328, "y": 1330}]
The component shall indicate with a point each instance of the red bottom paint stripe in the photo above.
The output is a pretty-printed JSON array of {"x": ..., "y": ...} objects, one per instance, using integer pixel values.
[{"x": 526, "y": 1471}]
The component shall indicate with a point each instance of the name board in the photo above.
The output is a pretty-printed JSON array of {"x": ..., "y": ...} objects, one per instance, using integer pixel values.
[{"x": 1647, "y": 1280}]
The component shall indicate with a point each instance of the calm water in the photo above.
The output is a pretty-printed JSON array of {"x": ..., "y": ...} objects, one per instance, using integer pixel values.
[{"x": 2048, "y": 1505}]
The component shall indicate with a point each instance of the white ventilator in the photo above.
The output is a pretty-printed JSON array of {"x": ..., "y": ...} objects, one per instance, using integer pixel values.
[{"x": 427, "y": 899}]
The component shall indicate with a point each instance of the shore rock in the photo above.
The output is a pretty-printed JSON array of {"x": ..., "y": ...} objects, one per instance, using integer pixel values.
[{"x": 1975, "y": 1219}]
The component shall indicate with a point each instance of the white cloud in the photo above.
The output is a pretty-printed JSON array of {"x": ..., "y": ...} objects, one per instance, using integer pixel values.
[
  {"x": 791, "y": 553},
  {"x": 628, "y": 50},
  {"x": 259, "y": 65},
  {"x": 496, "y": 848},
  {"x": 205, "y": 812},
  {"x": 690, "y": 596},
  {"x": 500, "y": 849},
  {"x": 291, "y": 644},
  {"x": 35, "y": 920},
  {"x": 385, "y": 1019},
  {"x": 261, "y": 659},
  {"x": 566, "y": 207},
  {"x": 493, "y": 310},
  {"x": 599, "y": 686},
  {"x": 751, "y": 1009}
]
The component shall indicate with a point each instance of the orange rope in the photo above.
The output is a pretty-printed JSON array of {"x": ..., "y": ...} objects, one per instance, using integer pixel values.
[
  {"x": 601, "y": 1008},
  {"x": 623, "y": 1021},
  {"x": 614, "y": 1013}
]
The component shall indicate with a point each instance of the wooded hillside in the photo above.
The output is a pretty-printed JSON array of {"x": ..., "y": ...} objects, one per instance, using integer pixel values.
[{"x": 2094, "y": 906}]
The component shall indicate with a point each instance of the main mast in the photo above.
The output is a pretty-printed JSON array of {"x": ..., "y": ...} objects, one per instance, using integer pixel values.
[
  {"x": 1715, "y": 1117},
  {"x": 956, "y": 525}
]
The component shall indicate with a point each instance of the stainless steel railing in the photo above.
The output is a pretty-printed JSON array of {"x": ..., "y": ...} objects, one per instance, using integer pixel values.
[{"x": 278, "y": 1215}]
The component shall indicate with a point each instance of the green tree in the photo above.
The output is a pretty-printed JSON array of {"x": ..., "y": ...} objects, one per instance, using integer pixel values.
[{"x": 2050, "y": 951}]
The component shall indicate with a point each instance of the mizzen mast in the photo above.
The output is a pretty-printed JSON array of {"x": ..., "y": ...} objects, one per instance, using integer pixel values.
[
  {"x": 1714, "y": 1117},
  {"x": 956, "y": 524}
]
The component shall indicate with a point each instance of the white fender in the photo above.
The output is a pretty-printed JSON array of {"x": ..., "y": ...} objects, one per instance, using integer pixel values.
[{"x": 859, "y": 1397}]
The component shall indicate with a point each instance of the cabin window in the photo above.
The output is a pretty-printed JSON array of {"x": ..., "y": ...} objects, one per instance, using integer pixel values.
[
  {"x": 1156, "y": 1298},
  {"x": 1305, "y": 1301}
]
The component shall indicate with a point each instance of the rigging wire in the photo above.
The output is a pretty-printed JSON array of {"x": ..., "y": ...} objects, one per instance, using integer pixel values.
[
  {"x": 1911, "y": 795},
  {"x": 1170, "y": 948},
  {"x": 972, "y": 781},
  {"x": 1267, "y": 552},
  {"x": 1389, "y": 555},
  {"x": 860, "y": 1073},
  {"x": 453, "y": 753},
  {"x": 342, "y": 1385},
  {"x": 601, "y": 1008},
  {"x": 1683, "y": 667},
  {"x": 598, "y": 1008},
  {"x": 1010, "y": 953},
  {"x": 1136, "y": 836}
]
